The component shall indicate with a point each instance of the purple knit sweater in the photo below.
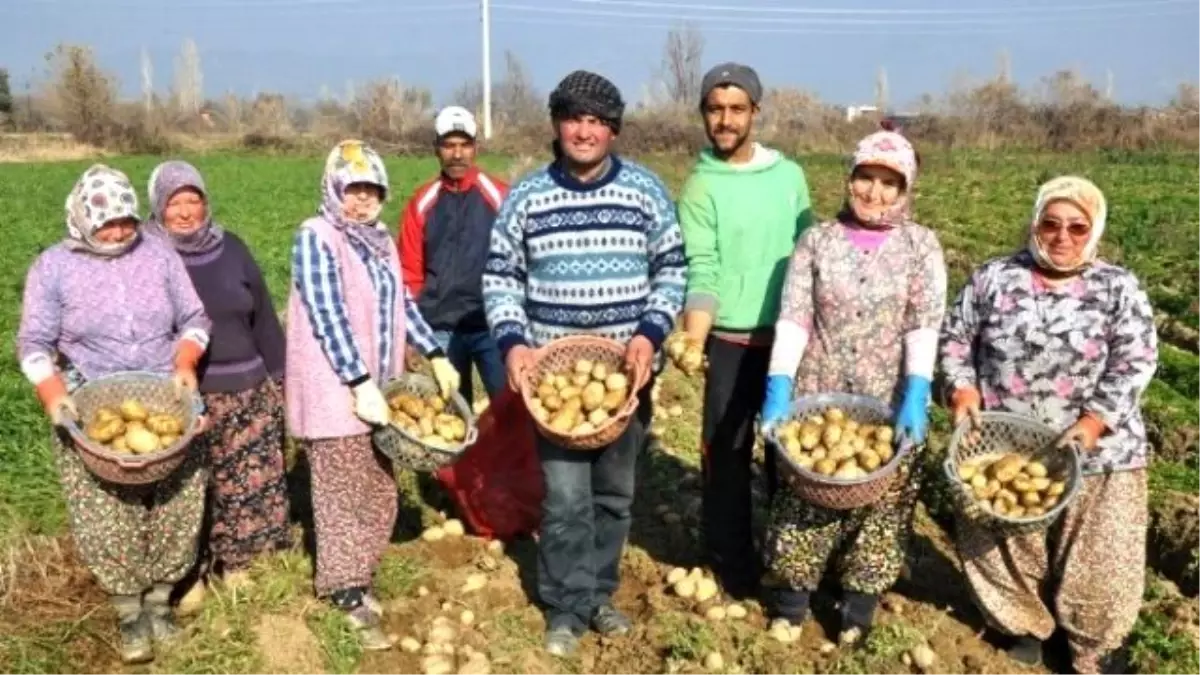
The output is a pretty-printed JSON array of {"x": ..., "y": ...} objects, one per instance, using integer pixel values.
[{"x": 247, "y": 344}]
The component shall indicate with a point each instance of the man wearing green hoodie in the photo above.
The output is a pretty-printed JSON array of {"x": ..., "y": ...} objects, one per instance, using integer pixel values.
[{"x": 741, "y": 211}]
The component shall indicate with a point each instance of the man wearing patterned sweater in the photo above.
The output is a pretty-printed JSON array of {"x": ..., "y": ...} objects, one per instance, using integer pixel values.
[{"x": 586, "y": 245}]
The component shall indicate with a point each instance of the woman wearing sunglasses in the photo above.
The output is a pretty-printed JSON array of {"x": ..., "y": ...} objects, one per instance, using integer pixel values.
[{"x": 1056, "y": 334}]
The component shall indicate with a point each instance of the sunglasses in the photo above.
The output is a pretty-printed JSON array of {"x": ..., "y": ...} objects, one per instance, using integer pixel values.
[{"x": 1076, "y": 230}]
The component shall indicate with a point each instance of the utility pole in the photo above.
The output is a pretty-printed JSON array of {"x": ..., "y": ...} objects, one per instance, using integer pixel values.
[{"x": 486, "y": 18}]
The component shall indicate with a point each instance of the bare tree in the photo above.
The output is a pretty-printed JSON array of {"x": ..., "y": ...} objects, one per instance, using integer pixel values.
[
  {"x": 147, "y": 80},
  {"x": 515, "y": 99},
  {"x": 469, "y": 95},
  {"x": 189, "y": 81},
  {"x": 682, "y": 55}
]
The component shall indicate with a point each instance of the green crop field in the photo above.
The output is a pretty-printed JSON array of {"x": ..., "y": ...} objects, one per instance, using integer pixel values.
[{"x": 978, "y": 203}]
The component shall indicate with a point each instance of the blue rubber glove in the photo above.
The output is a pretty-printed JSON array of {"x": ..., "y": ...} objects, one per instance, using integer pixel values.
[
  {"x": 913, "y": 418},
  {"x": 778, "y": 404}
]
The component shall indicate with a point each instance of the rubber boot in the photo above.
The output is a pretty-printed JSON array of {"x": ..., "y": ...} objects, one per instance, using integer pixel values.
[
  {"x": 858, "y": 613},
  {"x": 134, "y": 627},
  {"x": 162, "y": 616},
  {"x": 789, "y": 603}
]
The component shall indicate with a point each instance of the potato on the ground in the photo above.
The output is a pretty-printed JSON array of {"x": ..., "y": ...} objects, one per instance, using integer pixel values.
[
  {"x": 1012, "y": 485},
  {"x": 580, "y": 400},
  {"x": 836, "y": 445}
]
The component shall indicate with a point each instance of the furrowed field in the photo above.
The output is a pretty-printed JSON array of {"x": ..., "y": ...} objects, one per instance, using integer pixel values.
[{"x": 54, "y": 618}]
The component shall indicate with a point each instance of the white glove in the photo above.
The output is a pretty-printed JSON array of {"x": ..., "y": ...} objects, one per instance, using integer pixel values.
[
  {"x": 369, "y": 404},
  {"x": 62, "y": 410},
  {"x": 446, "y": 376}
]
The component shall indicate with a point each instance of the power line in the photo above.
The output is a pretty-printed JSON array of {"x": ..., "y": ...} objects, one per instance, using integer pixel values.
[
  {"x": 691, "y": 16},
  {"x": 1044, "y": 8},
  {"x": 582, "y": 23},
  {"x": 342, "y": 6}
]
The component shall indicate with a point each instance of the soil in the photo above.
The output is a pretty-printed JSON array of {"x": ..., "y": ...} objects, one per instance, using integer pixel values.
[
  {"x": 1175, "y": 539},
  {"x": 287, "y": 645}
]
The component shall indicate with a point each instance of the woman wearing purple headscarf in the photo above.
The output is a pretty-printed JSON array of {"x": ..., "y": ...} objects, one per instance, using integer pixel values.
[{"x": 241, "y": 376}]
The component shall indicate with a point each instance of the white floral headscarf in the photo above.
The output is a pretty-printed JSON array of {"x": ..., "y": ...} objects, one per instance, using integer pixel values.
[
  {"x": 353, "y": 161},
  {"x": 102, "y": 194},
  {"x": 894, "y": 151},
  {"x": 1082, "y": 193}
]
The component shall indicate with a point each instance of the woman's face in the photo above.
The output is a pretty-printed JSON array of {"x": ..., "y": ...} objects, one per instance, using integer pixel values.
[
  {"x": 874, "y": 190},
  {"x": 361, "y": 202},
  {"x": 1063, "y": 232},
  {"x": 116, "y": 231},
  {"x": 185, "y": 212}
]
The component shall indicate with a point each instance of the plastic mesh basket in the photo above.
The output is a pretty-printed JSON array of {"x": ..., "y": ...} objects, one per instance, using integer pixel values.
[
  {"x": 407, "y": 450},
  {"x": 156, "y": 392},
  {"x": 1001, "y": 433},
  {"x": 827, "y": 491}
]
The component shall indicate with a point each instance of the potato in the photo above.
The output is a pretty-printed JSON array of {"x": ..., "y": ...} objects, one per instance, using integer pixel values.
[
  {"x": 593, "y": 396},
  {"x": 581, "y": 380},
  {"x": 1035, "y": 511},
  {"x": 805, "y": 461},
  {"x": 101, "y": 432},
  {"x": 831, "y": 436},
  {"x": 545, "y": 391},
  {"x": 130, "y": 426},
  {"x": 561, "y": 382},
  {"x": 167, "y": 440},
  {"x": 613, "y": 400},
  {"x": 1049, "y": 501},
  {"x": 574, "y": 404},
  {"x": 584, "y": 366},
  {"x": 133, "y": 411},
  {"x": 978, "y": 480},
  {"x": 119, "y": 444},
  {"x": 1016, "y": 511},
  {"x": 1056, "y": 488},
  {"x": 1030, "y": 499},
  {"x": 883, "y": 434},
  {"x": 563, "y": 421},
  {"x": 1020, "y": 484},
  {"x": 598, "y": 416},
  {"x": 810, "y": 436},
  {"x": 541, "y": 415},
  {"x": 1036, "y": 469},
  {"x": 868, "y": 460},
  {"x": 425, "y": 424},
  {"x": 818, "y": 453},
  {"x": 106, "y": 414},
  {"x": 548, "y": 381},
  {"x": 1007, "y": 495},
  {"x": 692, "y": 360},
  {"x": 835, "y": 415},
  {"x": 981, "y": 492},
  {"x": 141, "y": 441},
  {"x": 412, "y": 405},
  {"x": 685, "y": 588},
  {"x": 991, "y": 489},
  {"x": 826, "y": 467},
  {"x": 616, "y": 382},
  {"x": 847, "y": 471},
  {"x": 1007, "y": 467},
  {"x": 553, "y": 403},
  {"x": 600, "y": 372},
  {"x": 161, "y": 423},
  {"x": 436, "y": 402},
  {"x": 1000, "y": 507},
  {"x": 584, "y": 427},
  {"x": 884, "y": 450},
  {"x": 570, "y": 392},
  {"x": 858, "y": 444},
  {"x": 1039, "y": 484}
]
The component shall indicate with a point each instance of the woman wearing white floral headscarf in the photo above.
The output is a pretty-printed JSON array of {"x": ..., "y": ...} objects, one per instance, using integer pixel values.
[
  {"x": 862, "y": 304},
  {"x": 1055, "y": 333},
  {"x": 106, "y": 300},
  {"x": 347, "y": 322}
]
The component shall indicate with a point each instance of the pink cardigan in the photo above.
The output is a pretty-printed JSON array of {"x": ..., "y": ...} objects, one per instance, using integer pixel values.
[{"x": 318, "y": 404}]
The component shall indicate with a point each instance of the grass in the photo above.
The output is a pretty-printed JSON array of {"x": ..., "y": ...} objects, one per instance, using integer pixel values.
[{"x": 978, "y": 203}]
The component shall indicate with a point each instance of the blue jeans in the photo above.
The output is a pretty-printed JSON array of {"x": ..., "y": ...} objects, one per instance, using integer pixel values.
[
  {"x": 478, "y": 347},
  {"x": 585, "y": 521}
]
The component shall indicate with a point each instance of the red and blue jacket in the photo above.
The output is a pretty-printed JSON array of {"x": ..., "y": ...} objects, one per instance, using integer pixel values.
[{"x": 445, "y": 234}]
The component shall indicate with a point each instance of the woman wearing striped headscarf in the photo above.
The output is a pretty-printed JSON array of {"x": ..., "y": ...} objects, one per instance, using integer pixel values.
[
  {"x": 347, "y": 322},
  {"x": 863, "y": 300},
  {"x": 1055, "y": 333}
]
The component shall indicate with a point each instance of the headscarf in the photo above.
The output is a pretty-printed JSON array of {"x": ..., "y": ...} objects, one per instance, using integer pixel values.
[
  {"x": 894, "y": 151},
  {"x": 101, "y": 194},
  {"x": 1082, "y": 193},
  {"x": 352, "y": 161},
  {"x": 167, "y": 179}
]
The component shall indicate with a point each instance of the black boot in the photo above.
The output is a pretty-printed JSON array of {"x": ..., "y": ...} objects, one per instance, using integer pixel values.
[
  {"x": 858, "y": 613},
  {"x": 1026, "y": 650},
  {"x": 788, "y": 603},
  {"x": 134, "y": 627}
]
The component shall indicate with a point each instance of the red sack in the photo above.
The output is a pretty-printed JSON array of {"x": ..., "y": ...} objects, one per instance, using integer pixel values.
[{"x": 497, "y": 483}]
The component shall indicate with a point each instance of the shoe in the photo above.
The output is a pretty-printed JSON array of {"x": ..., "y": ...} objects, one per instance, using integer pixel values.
[
  {"x": 608, "y": 620},
  {"x": 858, "y": 614},
  {"x": 561, "y": 641},
  {"x": 193, "y": 601},
  {"x": 366, "y": 625},
  {"x": 373, "y": 604},
  {"x": 157, "y": 608},
  {"x": 134, "y": 628},
  {"x": 1026, "y": 650},
  {"x": 789, "y": 603}
]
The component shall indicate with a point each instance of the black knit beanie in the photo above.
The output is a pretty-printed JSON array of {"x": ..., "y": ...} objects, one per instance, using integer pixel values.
[{"x": 585, "y": 93}]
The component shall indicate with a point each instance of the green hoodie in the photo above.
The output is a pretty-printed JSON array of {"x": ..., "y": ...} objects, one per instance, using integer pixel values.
[{"x": 740, "y": 224}]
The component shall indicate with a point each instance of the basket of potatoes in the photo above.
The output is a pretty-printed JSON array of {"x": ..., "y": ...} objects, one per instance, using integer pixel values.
[
  {"x": 579, "y": 393},
  {"x": 1008, "y": 475},
  {"x": 133, "y": 428},
  {"x": 838, "y": 450},
  {"x": 427, "y": 432}
]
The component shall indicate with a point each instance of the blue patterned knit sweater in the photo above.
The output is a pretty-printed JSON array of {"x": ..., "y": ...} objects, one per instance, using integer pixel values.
[{"x": 601, "y": 258}]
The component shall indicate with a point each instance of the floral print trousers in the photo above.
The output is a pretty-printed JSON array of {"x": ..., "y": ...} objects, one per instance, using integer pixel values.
[
  {"x": 248, "y": 504},
  {"x": 354, "y": 508},
  {"x": 870, "y": 542},
  {"x": 1087, "y": 571},
  {"x": 133, "y": 537}
]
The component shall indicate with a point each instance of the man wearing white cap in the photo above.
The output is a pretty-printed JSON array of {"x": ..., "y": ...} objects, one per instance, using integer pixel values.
[{"x": 444, "y": 236}]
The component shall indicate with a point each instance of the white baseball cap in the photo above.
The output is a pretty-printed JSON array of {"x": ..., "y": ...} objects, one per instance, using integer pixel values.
[{"x": 454, "y": 119}]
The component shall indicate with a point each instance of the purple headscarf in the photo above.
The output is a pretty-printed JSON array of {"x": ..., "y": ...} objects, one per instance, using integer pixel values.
[{"x": 167, "y": 179}]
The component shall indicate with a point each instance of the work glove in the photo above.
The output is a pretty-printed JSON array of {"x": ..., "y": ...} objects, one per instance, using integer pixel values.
[
  {"x": 964, "y": 404},
  {"x": 369, "y": 403},
  {"x": 185, "y": 382},
  {"x": 913, "y": 418},
  {"x": 778, "y": 402},
  {"x": 445, "y": 375},
  {"x": 1085, "y": 433},
  {"x": 58, "y": 404}
]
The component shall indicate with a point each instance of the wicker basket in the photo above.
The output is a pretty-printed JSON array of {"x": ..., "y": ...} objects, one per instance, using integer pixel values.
[
  {"x": 560, "y": 356},
  {"x": 407, "y": 450},
  {"x": 839, "y": 493},
  {"x": 157, "y": 393},
  {"x": 1001, "y": 433}
]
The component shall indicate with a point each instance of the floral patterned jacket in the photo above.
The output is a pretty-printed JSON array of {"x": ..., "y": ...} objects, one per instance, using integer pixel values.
[{"x": 1055, "y": 353}]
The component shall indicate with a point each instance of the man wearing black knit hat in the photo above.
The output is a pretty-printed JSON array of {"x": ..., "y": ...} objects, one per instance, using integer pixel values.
[{"x": 587, "y": 245}]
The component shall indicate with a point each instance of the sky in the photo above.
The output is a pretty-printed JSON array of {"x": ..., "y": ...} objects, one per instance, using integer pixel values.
[{"x": 833, "y": 48}]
